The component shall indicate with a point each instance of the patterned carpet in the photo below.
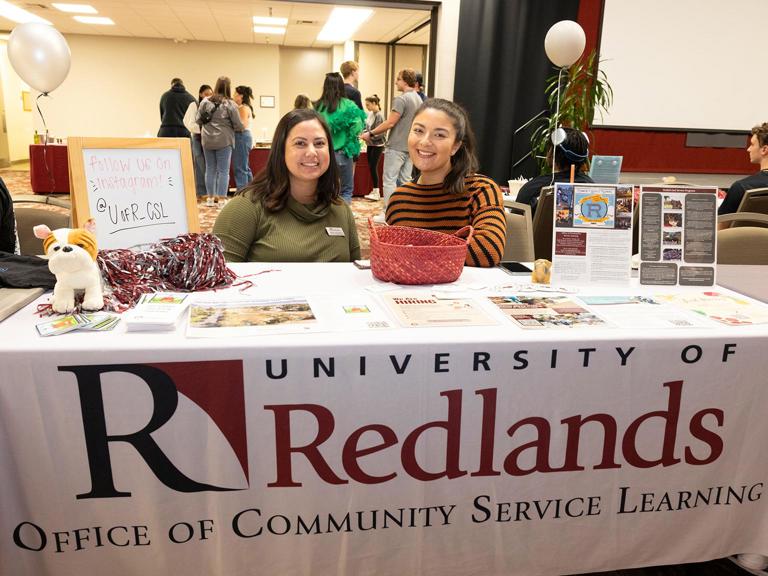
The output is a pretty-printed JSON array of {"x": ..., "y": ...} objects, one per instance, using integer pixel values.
[{"x": 18, "y": 183}]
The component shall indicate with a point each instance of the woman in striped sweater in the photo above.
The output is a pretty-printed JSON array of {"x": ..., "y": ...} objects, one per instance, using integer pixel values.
[{"x": 448, "y": 193}]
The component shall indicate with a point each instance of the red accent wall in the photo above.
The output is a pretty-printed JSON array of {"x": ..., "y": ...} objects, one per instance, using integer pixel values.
[{"x": 654, "y": 150}]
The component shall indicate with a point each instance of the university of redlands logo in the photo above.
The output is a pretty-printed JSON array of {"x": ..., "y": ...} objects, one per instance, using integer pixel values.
[{"x": 215, "y": 386}]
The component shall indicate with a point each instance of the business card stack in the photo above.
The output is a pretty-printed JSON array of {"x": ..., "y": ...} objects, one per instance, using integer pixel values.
[{"x": 157, "y": 312}]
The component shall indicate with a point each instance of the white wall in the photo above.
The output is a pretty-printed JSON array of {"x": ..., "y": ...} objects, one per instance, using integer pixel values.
[
  {"x": 302, "y": 70},
  {"x": 447, "y": 42},
  {"x": 373, "y": 71},
  {"x": 18, "y": 124},
  {"x": 115, "y": 84}
]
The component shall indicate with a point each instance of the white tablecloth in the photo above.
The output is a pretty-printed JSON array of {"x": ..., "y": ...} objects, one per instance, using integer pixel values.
[{"x": 434, "y": 451}]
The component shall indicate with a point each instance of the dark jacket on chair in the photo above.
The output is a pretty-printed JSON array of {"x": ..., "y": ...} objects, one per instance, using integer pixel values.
[{"x": 7, "y": 221}]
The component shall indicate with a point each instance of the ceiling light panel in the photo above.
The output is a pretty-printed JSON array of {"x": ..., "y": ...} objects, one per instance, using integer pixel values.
[
  {"x": 343, "y": 23},
  {"x": 16, "y": 14},
  {"x": 268, "y": 30},
  {"x": 75, "y": 8},
  {"x": 101, "y": 20},
  {"x": 270, "y": 21}
]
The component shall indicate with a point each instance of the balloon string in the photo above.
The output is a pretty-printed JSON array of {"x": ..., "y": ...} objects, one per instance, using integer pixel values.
[
  {"x": 37, "y": 103},
  {"x": 557, "y": 119},
  {"x": 48, "y": 171}
]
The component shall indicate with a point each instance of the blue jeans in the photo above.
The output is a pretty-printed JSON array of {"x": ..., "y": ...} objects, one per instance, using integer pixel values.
[
  {"x": 397, "y": 170},
  {"x": 217, "y": 170},
  {"x": 198, "y": 161},
  {"x": 243, "y": 144},
  {"x": 347, "y": 173}
]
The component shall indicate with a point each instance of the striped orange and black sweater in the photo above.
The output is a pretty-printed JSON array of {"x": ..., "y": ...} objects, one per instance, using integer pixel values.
[{"x": 431, "y": 207}]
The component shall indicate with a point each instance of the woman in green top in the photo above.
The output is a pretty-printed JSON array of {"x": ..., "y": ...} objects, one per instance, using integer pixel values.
[
  {"x": 291, "y": 211},
  {"x": 346, "y": 121}
]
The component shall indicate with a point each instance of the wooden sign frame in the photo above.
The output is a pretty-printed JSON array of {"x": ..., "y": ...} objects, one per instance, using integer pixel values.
[{"x": 78, "y": 185}]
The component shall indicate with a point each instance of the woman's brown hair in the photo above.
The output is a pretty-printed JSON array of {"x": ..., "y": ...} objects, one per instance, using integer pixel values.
[{"x": 272, "y": 185}]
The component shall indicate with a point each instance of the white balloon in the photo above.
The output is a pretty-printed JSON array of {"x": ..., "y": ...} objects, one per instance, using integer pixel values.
[
  {"x": 565, "y": 43},
  {"x": 40, "y": 55}
]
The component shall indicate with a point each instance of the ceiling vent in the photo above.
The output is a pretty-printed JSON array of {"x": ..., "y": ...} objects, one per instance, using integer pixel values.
[
  {"x": 37, "y": 6},
  {"x": 307, "y": 22}
]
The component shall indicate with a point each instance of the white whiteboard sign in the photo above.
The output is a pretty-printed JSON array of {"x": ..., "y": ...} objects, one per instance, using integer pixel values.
[{"x": 136, "y": 195}]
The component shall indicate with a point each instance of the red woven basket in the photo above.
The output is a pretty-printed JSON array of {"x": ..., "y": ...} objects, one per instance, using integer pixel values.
[{"x": 407, "y": 255}]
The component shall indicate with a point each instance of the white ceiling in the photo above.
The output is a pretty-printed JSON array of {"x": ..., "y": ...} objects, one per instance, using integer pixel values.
[{"x": 226, "y": 21}]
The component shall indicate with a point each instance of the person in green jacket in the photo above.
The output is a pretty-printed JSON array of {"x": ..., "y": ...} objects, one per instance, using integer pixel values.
[
  {"x": 346, "y": 121},
  {"x": 292, "y": 211}
]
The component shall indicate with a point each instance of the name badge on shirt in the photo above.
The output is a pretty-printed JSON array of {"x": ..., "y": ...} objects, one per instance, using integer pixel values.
[{"x": 334, "y": 231}]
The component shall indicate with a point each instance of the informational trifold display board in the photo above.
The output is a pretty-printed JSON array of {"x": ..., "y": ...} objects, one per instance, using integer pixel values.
[
  {"x": 592, "y": 234},
  {"x": 138, "y": 190},
  {"x": 678, "y": 235}
]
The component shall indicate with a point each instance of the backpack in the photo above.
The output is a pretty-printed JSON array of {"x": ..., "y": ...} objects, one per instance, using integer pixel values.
[{"x": 206, "y": 114}]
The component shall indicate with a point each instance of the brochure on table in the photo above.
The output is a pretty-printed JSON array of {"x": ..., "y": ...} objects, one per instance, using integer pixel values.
[
  {"x": 414, "y": 309},
  {"x": 220, "y": 316},
  {"x": 592, "y": 234},
  {"x": 678, "y": 235},
  {"x": 545, "y": 311}
]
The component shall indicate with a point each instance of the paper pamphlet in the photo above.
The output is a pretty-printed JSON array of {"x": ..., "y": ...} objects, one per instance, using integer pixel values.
[
  {"x": 157, "y": 311},
  {"x": 592, "y": 234},
  {"x": 678, "y": 238},
  {"x": 732, "y": 310},
  {"x": 546, "y": 311},
  {"x": 413, "y": 309},
  {"x": 244, "y": 317}
]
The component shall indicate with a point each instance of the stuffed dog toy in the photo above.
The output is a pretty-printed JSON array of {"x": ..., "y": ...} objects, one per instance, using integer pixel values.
[{"x": 72, "y": 259}]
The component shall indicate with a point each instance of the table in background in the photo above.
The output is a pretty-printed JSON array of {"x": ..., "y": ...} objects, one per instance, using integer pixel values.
[
  {"x": 49, "y": 168},
  {"x": 484, "y": 450},
  {"x": 257, "y": 159}
]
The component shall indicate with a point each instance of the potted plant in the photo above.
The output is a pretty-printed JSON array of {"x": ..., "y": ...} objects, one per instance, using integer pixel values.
[{"x": 585, "y": 90}]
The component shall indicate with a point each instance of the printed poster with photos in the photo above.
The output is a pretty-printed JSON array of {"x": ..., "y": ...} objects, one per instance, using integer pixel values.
[
  {"x": 678, "y": 235},
  {"x": 531, "y": 311},
  {"x": 592, "y": 234}
]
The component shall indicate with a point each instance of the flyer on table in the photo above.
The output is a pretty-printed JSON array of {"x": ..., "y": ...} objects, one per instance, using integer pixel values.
[
  {"x": 592, "y": 234},
  {"x": 678, "y": 235}
]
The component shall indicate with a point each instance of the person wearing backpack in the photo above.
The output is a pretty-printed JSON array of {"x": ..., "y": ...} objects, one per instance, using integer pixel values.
[
  {"x": 219, "y": 119},
  {"x": 198, "y": 160}
]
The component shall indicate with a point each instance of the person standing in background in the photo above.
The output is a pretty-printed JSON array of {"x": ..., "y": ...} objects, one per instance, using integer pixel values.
[
  {"x": 198, "y": 159},
  {"x": 351, "y": 72},
  {"x": 173, "y": 105},
  {"x": 243, "y": 139},
  {"x": 376, "y": 145},
  {"x": 219, "y": 119},
  {"x": 346, "y": 121},
  {"x": 302, "y": 101},
  {"x": 420, "y": 86},
  {"x": 397, "y": 163}
]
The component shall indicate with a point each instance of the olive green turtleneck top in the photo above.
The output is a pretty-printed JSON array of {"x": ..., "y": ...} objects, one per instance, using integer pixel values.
[{"x": 298, "y": 233}]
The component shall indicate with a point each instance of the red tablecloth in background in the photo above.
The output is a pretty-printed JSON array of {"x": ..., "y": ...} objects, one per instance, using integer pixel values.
[{"x": 48, "y": 169}]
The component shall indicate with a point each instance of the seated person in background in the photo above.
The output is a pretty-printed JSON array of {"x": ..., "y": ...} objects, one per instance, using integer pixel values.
[
  {"x": 758, "y": 154},
  {"x": 448, "y": 193},
  {"x": 573, "y": 151},
  {"x": 292, "y": 210}
]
